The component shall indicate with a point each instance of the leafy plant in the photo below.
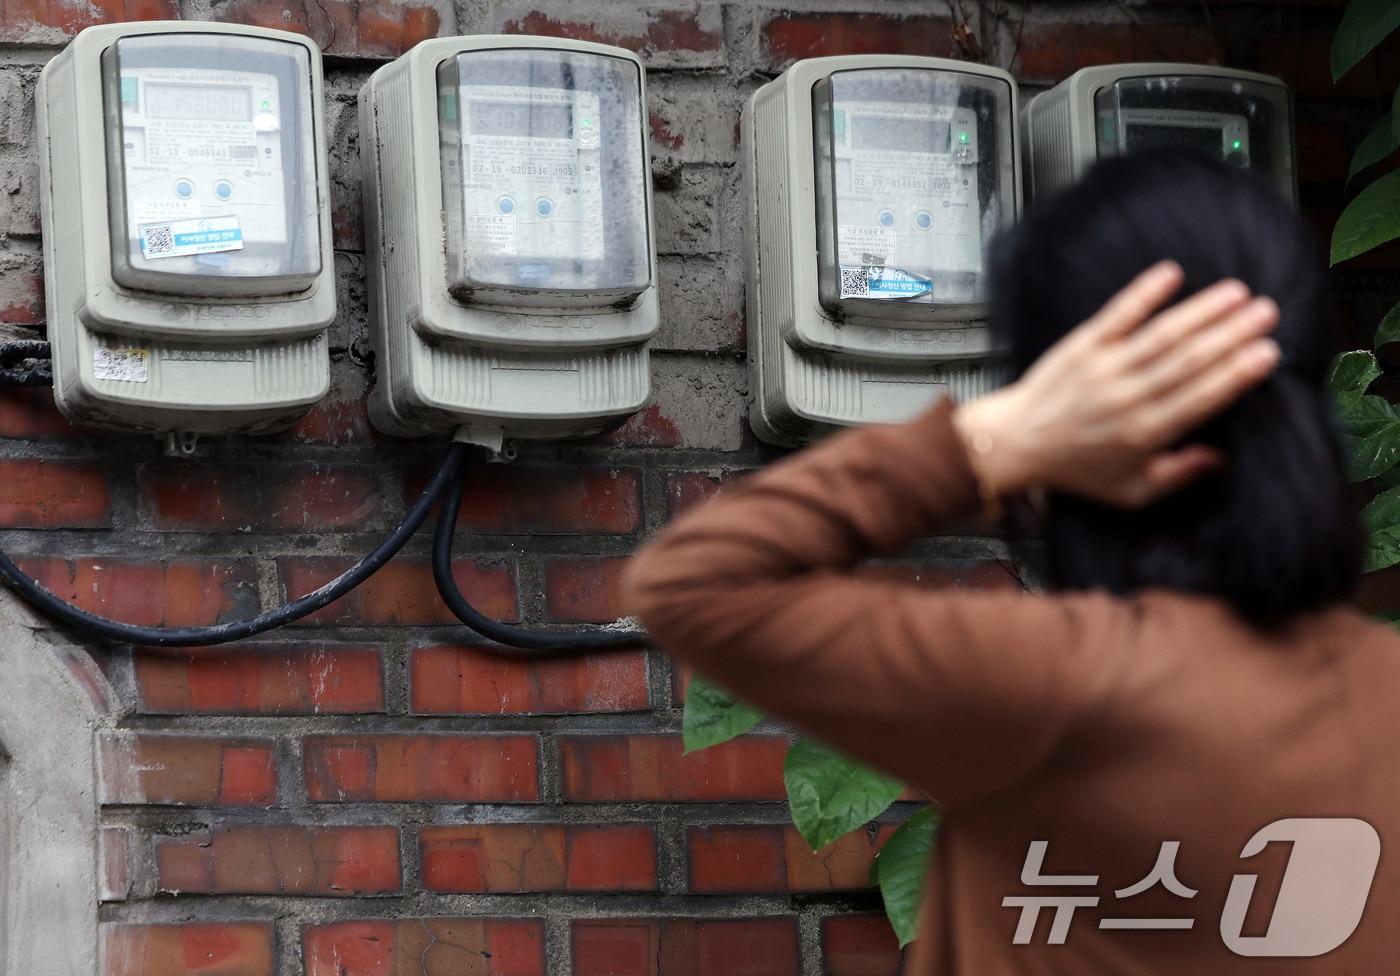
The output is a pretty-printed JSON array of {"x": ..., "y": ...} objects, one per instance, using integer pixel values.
[
  {"x": 1371, "y": 219},
  {"x": 831, "y": 795}
]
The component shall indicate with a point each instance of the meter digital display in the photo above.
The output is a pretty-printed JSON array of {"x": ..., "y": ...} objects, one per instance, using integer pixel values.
[
  {"x": 914, "y": 175},
  {"x": 543, "y": 170},
  {"x": 212, "y": 165},
  {"x": 1242, "y": 122}
]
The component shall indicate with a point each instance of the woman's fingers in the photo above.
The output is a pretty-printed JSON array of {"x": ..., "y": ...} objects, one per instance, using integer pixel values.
[
  {"x": 1202, "y": 347},
  {"x": 1134, "y": 304},
  {"x": 1173, "y": 470},
  {"x": 1216, "y": 387},
  {"x": 1184, "y": 320}
]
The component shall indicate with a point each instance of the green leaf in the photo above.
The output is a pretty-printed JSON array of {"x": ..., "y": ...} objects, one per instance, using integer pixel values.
[
  {"x": 712, "y": 716},
  {"x": 1391, "y": 617},
  {"x": 1365, "y": 23},
  {"x": 1369, "y": 221},
  {"x": 901, "y": 868},
  {"x": 1389, "y": 329},
  {"x": 1382, "y": 549},
  {"x": 1375, "y": 453},
  {"x": 1353, "y": 372},
  {"x": 1383, "y": 511},
  {"x": 1379, "y": 143},
  {"x": 1364, "y": 415},
  {"x": 831, "y": 795}
]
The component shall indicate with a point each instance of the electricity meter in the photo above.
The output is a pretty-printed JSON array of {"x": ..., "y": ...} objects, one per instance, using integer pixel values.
[
  {"x": 187, "y": 245},
  {"x": 513, "y": 264},
  {"x": 1240, "y": 117},
  {"x": 874, "y": 185}
]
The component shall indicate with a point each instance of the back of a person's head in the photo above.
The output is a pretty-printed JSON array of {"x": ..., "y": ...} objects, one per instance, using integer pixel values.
[{"x": 1273, "y": 532}]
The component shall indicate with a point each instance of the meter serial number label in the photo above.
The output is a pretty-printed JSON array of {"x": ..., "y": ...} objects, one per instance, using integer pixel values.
[{"x": 121, "y": 365}]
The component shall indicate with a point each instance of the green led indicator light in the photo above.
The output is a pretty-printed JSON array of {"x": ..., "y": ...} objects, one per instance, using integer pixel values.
[
  {"x": 1235, "y": 144},
  {"x": 266, "y": 104},
  {"x": 962, "y": 138},
  {"x": 586, "y": 123}
]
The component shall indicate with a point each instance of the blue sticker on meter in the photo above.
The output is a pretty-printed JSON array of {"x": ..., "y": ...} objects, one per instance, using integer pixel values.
[
  {"x": 880, "y": 281},
  {"x": 198, "y": 235}
]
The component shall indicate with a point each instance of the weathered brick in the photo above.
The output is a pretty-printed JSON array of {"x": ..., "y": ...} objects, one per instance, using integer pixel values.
[
  {"x": 696, "y": 403},
  {"x": 790, "y": 35},
  {"x": 680, "y": 946},
  {"x": 366, "y": 28},
  {"x": 693, "y": 120},
  {"x": 210, "y": 949},
  {"x": 1303, "y": 60},
  {"x": 260, "y": 498},
  {"x": 281, "y": 860},
  {"x": 180, "y": 770},
  {"x": 310, "y": 680},
  {"x": 859, "y": 945},
  {"x": 170, "y": 593},
  {"x": 665, "y": 34},
  {"x": 426, "y": 947},
  {"x": 340, "y": 419},
  {"x": 760, "y": 858},
  {"x": 584, "y": 589},
  {"x": 449, "y": 679},
  {"x": 21, "y": 293},
  {"x": 519, "y": 500},
  {"x": 41, "y": 494},
  {"x": 403, "y": 591},
  {"x": 655, "y": 768},
  {"x": 1050, "y": 52},
  {"x": 538, "y": 857},
  {"x": 37, "y": 21},
  {"x": 702, "y": 305},
  {"x": 688, "y": 216},
  {"x": 114, "y": 863},
  {"x": 422, "y": 768}
]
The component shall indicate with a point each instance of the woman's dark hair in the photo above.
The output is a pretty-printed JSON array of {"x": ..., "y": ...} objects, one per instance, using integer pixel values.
[{"x": 1274, "y": 532}]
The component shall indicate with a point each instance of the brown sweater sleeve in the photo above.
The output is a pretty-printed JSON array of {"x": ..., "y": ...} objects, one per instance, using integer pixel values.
[{"x": 962, "y": 694}]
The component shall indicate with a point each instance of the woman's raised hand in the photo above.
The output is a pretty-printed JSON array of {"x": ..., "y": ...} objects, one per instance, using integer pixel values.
[{"x": 1101, "y": 413}]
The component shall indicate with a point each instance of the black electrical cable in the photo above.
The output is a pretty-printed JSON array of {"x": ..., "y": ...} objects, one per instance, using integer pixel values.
[
  {"x": 25, "y": 363},
  {"x": 551, "y": 643},
  {"x": 112, "y": 630}
]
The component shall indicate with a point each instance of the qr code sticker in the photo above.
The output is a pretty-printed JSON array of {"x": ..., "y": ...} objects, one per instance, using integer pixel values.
[
  {"x": 855, "y": 282},
  {"x": 123, "y": 365},
  {"x": 157, "y": 239}
]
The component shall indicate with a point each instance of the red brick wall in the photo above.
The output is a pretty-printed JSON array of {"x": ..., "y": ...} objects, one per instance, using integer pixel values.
[{"x": 366, "y": 793}]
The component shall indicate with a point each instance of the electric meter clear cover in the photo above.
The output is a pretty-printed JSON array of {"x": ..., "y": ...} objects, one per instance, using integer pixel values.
[
  {"x": 1247, "y": 124},
  {"x": 211, "y": 165},
  {"x": 544, "y": 175},
  {"x": 914, "y": 176}
]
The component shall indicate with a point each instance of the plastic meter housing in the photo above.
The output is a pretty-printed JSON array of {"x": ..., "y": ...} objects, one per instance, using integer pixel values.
[
  {"x": 1240, "y": 117},
  {"x": 187, "y": 249},
  {"x": 874, "y": 184},
  {"x": 508, "y": 205}
]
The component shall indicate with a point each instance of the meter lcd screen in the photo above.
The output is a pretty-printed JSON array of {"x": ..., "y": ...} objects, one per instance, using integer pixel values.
[
  {"x": 222, "y": 103},
  {"x": 914, "y": 175},
  {"x": 1245, "y": 123},
  {"x": 544, "y": 173},
  {"x": 900, "y": 133},
  {"x": 1137, "y": 138},
  {"x": 212, "y": 164}
]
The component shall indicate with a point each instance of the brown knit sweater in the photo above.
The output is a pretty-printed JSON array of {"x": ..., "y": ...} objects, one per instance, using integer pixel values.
[{"x": 1101, "y": 726}]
